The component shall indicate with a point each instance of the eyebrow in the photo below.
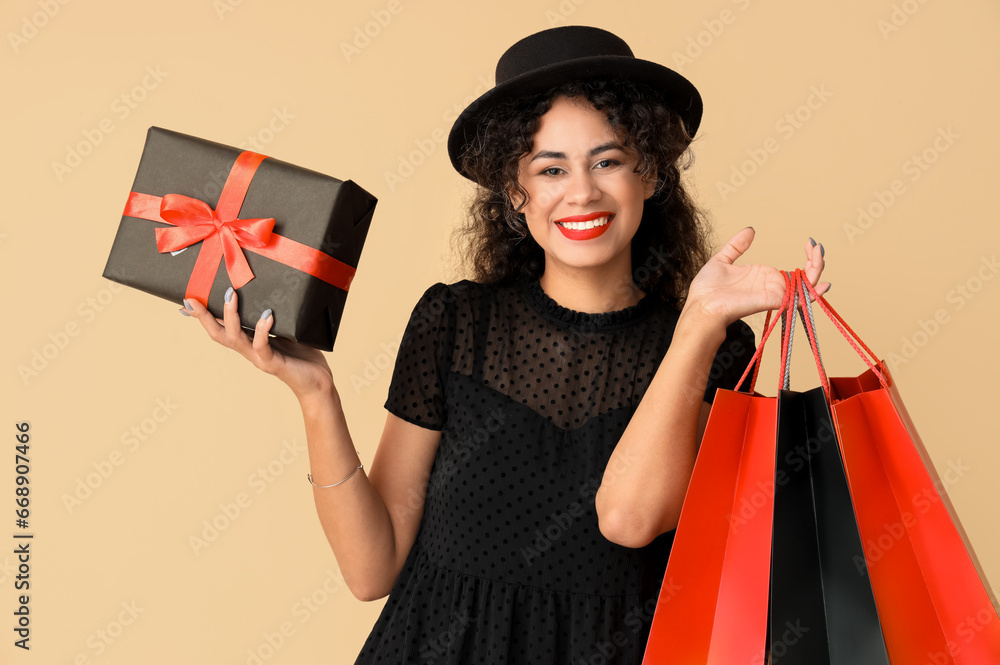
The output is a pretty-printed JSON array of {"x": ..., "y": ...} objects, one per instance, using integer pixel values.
[{"x": 604, "y": 147}]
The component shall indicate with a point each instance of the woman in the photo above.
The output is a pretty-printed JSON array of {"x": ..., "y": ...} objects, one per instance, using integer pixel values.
[{"x": 544, "y": 418}]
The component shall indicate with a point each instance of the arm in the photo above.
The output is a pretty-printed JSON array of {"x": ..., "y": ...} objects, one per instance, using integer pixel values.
[
  {"x": 370, "y": 521},
  {"x": 644, "y": 484},
  {"x": 647, "y": 475}
]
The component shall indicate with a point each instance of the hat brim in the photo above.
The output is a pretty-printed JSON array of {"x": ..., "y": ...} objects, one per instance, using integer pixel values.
[{"x": 677, "y": 92}]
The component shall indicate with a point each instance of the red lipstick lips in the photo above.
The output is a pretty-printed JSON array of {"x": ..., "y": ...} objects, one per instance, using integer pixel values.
[{"x": 585, "y": 234}]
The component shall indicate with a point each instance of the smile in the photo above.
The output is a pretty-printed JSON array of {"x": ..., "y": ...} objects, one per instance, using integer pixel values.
[{"x": 585, "y": 227}]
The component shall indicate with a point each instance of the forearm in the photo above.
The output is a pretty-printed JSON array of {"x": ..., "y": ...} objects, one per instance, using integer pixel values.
[
  {"x": 647, "y": 475},
  {"x": 353, "y": 515}
]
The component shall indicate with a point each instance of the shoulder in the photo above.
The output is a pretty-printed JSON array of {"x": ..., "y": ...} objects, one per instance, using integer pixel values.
[
  {"x": 732, "y": 358},
  {"x": 465, "y": 292},
  {"x": 739, "y": 334},
  {"x": 441, "y": 296},
  {"x": 458, "y": 299},
  {"x": 738, "y": 347}
]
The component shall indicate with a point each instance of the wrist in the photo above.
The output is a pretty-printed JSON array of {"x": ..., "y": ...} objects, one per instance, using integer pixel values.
[
  {"x": 318, "y": 397},
  {"x": 697, "y": 320}
]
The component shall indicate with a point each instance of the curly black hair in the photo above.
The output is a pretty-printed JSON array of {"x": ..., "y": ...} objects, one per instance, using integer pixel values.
[{"x": 672, "y": 242}]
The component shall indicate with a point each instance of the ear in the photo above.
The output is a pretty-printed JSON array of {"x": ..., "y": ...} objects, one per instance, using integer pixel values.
[
  {"x": 514, "y": 197},
  {"x": 649, "y": 187}
]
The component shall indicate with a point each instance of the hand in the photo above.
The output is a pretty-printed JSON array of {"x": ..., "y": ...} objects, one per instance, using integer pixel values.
[
  {"x": 726, "y": 292},
  {"x": 302, "y": 368}
]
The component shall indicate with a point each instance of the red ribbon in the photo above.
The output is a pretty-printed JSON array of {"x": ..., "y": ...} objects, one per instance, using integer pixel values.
[
  {"x": 224, "y": 236},
  {"x": 195, "y": 220}
]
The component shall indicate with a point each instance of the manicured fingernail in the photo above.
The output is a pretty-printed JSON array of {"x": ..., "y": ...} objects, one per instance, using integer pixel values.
[
  {"x": 266, "y": 313},
  {"x": 812, "y": 241},
  {"x": 187, "y": 305},
  {"x": 828, "y": 289},
  {"x": 822, "y": 252},
  {"x": 184, "y": 312},
  {"x": 229, "y": 294}
]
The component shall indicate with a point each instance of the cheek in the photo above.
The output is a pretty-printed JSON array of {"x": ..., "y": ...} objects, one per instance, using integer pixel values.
[
  {"x": 518, "y": 198},
  {"x": 544, "y": 195},
  {"x": 636, "y": 191}
]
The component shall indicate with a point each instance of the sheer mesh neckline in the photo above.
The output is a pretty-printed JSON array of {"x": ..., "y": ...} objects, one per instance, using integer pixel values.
[{"x": 556, "y": 313}]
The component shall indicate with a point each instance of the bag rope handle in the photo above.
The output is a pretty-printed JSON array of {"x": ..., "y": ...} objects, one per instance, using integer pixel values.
[
  {"x": 788, "y": 334},
  {"x": 852, "y": 337},
  {"x": 798, "y": 298},
  {"x": 768, "y": 327},
  {"x": 809, "y": 322}
]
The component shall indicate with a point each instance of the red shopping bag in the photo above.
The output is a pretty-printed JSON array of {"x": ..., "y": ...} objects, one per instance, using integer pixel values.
[
  {"x": 933, "y": 605},
  {"x": 717, "y": 613},
  {"x": 713, "y": 608},
  {"x": 932, "y": 599}
]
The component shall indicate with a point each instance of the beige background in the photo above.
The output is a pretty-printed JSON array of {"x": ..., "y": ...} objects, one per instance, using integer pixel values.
[{"x": 894, "y": 76}]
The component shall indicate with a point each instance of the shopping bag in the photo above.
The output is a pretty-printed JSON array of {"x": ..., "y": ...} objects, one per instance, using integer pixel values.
[
  {"x": 712, "y": 608},
  {"x": 933, "y": 603},
  {"x": 762, "y": 566},
  {"x": 717, "y": 610},
  {"x": 822, "y": 608}
]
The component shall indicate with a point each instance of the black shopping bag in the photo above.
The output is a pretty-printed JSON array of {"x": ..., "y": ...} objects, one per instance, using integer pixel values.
[
  {"x": 822, "y": 609},
  {"x": 822, "y": 606}
]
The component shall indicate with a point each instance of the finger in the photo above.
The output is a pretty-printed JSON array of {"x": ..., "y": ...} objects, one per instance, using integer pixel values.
[
  {"x": 207, "y": 320},
  {"x": 821, "y": 289},
  {"x": 815, "y": 261},
  {"x": 231, "y": 317},
  {"x": 815, "y": 254},
  {"x": 736, "y": 246},
  {"x": 261, "y": 342}
]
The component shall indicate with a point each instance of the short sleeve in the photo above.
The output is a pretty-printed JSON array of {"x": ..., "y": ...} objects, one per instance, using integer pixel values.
[
  {"x": 732, "y": 358},
  {"x": 416, "y": 391}
]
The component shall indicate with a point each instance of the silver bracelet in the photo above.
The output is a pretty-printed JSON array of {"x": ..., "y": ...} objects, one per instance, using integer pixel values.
[{"x": 360, "y": 466}]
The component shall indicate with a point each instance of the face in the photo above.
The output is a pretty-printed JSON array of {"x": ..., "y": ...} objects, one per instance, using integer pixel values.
[{"x": 584, "y": 198}]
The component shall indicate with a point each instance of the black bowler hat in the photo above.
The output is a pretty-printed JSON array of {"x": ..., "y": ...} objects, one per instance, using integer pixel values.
[{"x": 550, "y": 57}]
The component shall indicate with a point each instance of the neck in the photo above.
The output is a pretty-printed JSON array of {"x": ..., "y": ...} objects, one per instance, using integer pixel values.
[{"x": 591, "y": 291}]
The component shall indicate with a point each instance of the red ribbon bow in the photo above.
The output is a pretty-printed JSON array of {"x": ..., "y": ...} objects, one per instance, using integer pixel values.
[
  {"x": 226, "y": 236},
  {"x": 195, "y": 221}
]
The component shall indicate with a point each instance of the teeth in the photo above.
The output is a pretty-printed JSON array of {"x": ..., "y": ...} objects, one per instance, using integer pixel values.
[{"x": 580, "y": 226}]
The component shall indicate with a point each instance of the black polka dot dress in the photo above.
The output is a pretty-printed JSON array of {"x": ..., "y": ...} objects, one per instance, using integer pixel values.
[{"x": 509, "y": 565}]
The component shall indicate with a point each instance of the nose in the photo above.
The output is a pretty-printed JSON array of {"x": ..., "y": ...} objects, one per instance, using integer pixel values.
[{"x": 582, "y": 188}]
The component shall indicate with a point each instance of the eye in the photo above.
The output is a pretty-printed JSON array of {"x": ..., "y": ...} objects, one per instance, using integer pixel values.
[
  {"x": 607, "y": 163},
  {"x": 551, "y": 171}
]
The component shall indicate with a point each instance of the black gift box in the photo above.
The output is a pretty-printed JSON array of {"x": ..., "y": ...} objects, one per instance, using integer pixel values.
[{"x": 310, "y": 208}]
